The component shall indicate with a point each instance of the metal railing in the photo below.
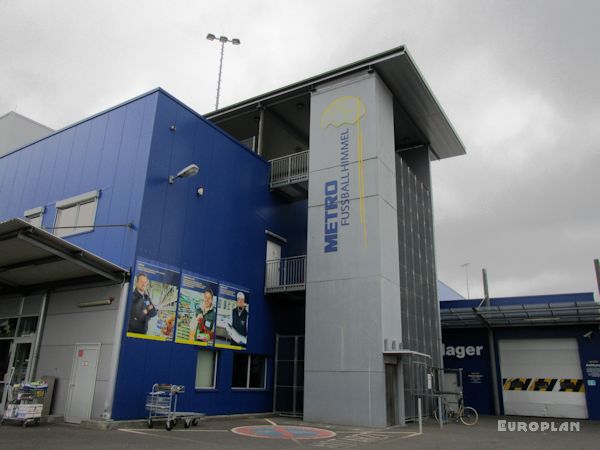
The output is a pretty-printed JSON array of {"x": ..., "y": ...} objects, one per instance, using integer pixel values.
[
  {"x": 285, "y": 275},
  {"x": 289, "y": 169}
]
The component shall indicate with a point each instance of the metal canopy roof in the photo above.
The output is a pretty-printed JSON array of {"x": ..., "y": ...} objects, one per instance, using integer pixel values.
[
  {"x": 569, "y": 313},
  {"x": 32, "y": 259},
  {"x": 402, "y": 77}
]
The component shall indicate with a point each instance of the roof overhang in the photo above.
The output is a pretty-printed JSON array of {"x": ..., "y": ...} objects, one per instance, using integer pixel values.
[
  {"x": 549, "y": 314},
  {"x": 32, "y": 260},
  {"x": 401, "y": 75}
]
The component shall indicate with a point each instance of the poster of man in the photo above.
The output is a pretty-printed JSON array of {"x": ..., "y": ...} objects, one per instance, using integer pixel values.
[
  {"x": 153, "y": 302},
  {"x": 232, "y": 317},
  {"x": 197, "y": 312}
]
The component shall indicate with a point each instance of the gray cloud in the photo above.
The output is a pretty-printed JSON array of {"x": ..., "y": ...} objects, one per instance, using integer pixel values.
[{"x": 517, "y": 79}]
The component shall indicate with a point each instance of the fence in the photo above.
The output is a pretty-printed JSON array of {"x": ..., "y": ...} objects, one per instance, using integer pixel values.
[
  {"x": 286, "y": 274},
  {"x": 289, "y": 170}
]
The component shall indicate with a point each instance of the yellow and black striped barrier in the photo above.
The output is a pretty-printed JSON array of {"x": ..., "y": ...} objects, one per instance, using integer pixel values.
[
  {"x": 571, "y": 385},
  {"x": 543, "y": 384}
]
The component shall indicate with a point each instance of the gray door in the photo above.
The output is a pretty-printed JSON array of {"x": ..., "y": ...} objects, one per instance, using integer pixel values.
[
  {"x": 390, "y": 393},
  {"x": 83, "y": 382}
]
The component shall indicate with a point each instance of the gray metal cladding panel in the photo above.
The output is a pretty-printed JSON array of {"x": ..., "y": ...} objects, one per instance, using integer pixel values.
[
  {"x": 66, "y": 329},
  {"x": 104, "y": 360},
  {"x": 67, "y": 302},
  {"x": 100, "y": 391},
  {"x": 32, "y": 305},
  {"x": 363, "y": 395},
  {"x": 57, "y": 361},
  {"x": 344, "y": 333},
  {"x": 9, "y": 307}
]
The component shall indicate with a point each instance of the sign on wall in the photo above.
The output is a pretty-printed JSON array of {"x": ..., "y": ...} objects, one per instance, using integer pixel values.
[
  {"x": 341, "y": 122},
  {"x": 188, "y": 307},
  {"x": 153, "y": 301},
  {"x": 197, "y": 310},
  {"x": 232, "y": 317}
]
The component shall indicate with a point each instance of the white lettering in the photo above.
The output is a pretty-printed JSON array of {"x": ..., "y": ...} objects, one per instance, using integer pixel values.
[
  {"x": 460, "y": 351},
  {"x": 502, "y": 425}
]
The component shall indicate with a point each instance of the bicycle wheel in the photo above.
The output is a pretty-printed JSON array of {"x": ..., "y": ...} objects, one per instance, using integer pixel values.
[
  {"x": 469, "y": 416},
  {"x": 436, "y": 415}
]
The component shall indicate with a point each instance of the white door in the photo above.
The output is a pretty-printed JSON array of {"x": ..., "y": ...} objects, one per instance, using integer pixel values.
[
  {"x": 83, "y": 382},
  {"x": 273, "y": 257},
  {"x": 542, "y": 377}
]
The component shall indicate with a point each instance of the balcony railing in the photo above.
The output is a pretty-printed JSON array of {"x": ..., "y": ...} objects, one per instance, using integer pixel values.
[
  {"x": 285, "y": 275},
  {"x": 289, "y": 170}
]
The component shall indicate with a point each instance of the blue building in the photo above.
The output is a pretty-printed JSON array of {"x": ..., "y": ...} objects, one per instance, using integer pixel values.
[
  {"x": 545, "y": 356},
  {"x": 276, "y": 254}
]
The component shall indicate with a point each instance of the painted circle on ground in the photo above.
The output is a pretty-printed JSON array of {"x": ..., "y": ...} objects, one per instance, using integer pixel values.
[{"x": 283, "y": 432}]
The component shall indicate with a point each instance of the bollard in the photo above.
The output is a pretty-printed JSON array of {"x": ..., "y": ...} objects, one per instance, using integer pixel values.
[
  {"x": 440, "y": 415},
  {"x": 420, "y": 416}
]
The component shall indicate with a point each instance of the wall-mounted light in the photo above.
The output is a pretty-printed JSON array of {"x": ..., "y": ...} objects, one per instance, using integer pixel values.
[
  {"x": 186, "y": 172},
  {"x": 92, "y": 303}
]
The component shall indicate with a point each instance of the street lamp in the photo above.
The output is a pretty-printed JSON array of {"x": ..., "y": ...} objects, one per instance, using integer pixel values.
[{"x": 223, "y": 40}]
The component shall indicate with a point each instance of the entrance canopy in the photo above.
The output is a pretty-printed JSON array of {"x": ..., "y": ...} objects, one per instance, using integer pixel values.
[
  {"x": 567, "y": 313},
  {"x": 32, "y": 259}
]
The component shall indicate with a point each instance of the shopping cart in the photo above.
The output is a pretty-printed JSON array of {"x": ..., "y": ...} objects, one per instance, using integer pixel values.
[
  {"x": 25, "y": 403},
  {"x": 161, "y": 404}
]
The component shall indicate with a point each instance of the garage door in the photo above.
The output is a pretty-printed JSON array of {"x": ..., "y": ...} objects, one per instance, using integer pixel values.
[{"x": 542, "y": 377}]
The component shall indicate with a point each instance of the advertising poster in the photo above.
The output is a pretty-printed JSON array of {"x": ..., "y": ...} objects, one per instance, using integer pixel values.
[
  {"x": 153, "y": 302},
  {"x": 232, "y": 317},
  {"x": 197, "y": 312}
]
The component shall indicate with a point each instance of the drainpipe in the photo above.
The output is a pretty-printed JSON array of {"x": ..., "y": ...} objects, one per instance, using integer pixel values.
[
  {"x": 492, "y": 347},
  {"x": 38, "y": 336},
  {"x": 261, "y": 126},
  {"x": 597, "y": 266},
  {"x": 114, "y": 360}
]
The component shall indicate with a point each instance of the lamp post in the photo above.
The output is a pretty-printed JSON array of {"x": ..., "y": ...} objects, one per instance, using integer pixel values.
[{"x": 223, "y": 40}]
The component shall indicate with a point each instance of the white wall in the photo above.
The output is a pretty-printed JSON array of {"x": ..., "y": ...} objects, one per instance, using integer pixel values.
[{"x": 67, "y": 325}]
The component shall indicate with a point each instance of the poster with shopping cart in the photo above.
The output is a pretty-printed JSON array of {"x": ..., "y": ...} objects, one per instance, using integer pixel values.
[
  {"x": 233, "y": 312},
  {"x": 197, "y": 311},
  {"x": 153, "y": 301}
]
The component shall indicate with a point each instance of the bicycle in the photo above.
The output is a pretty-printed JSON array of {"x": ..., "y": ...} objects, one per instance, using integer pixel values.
[{"x": 466, "y": 414}]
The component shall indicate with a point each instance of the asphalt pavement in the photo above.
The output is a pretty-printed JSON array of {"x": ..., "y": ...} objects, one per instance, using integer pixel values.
[{"x": 284, "y": 433}]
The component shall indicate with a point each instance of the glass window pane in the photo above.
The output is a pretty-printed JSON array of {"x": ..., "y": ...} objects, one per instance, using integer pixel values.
[
  {"x": 240, "y": 371},
  {"x": 66, "y": 217},
  {"x": 258, "y": 371},
  {"x": 35, "y": 220},
  {"x": 8, "y": 327},
  {"x": 27, "y": 326},
  {"x": 205, "y": 369},
  {"x": 87, "y": 213}
]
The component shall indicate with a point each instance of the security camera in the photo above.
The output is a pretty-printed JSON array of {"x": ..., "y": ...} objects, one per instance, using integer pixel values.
[{"x": 588, "y": 335}]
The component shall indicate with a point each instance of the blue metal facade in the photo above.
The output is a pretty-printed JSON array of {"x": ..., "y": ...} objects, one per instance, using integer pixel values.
[
  {"x": 480, "y": 395},
  {"x": 128, "y": 153}
]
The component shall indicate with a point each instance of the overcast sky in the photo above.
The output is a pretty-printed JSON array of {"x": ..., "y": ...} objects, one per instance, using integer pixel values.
[{"x": 519, "y": 80}]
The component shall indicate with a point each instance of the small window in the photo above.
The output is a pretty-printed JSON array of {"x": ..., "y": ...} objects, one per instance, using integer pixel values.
[
  {"x": 249, "y": 371},
  {"x": 35, "y": 216},
  {"x": 27, "y": 326},
  {"x": 76, "y": 215},
  {"x": 206, "y": 369}
]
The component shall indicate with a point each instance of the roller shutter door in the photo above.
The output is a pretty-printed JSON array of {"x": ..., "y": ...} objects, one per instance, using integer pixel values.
[{"x": 542, "y": 377}]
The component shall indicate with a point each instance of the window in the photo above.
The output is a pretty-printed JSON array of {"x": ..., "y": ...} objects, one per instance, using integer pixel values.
[
  {"x": 249, "y": 371},
  {"x": 206, "y": 369},
  {"x": 76, "y": 214},
  {"x": 34, "y": 216}
]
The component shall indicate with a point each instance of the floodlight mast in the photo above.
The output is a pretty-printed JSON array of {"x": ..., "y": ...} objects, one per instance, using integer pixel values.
[{"x": 223, "y": 40}]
